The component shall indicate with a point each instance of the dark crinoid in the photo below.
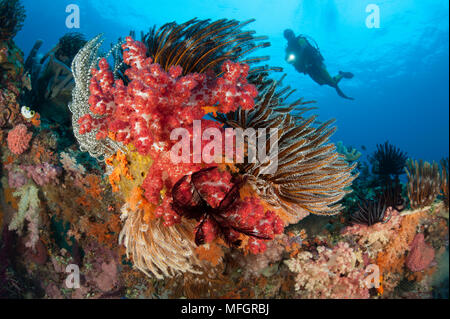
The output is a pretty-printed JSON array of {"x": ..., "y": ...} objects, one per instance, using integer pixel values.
[
  {"x": 371, "y": 212},
  {"x": 392, "y": 194},
  {"x": 68, "y": 46},
  {"x": 12, "y": 16},
  {"x": 388, "y": 161},
  {"x": 204, "y": 45},
  {"x": 192, "y": 200}
]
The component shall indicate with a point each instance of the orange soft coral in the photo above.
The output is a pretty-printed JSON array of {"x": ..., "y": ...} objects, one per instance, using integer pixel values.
[
  {"x": 211, "y": 252},
  {"x": 137, "y": 201},
  {"x": 392, "y": 258},
  {"x": 121, "y": 169}
]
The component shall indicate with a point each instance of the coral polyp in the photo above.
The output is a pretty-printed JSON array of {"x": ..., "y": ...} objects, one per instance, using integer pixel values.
[
  {"x": 154, "y": 102},
  {"x": 142, "y": 114}
]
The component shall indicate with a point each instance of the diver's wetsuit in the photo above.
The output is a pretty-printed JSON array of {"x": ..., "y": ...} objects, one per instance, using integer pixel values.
[{"x": 308, "y": 60}]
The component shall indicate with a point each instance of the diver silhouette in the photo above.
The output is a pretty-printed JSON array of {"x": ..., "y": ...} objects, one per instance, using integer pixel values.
[{"x": 307, "y": 59}]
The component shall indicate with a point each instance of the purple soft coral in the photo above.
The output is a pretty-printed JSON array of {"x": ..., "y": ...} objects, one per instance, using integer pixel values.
[
  {"x": 42, "y": 174},
  {"x": 16, "y": 178}
]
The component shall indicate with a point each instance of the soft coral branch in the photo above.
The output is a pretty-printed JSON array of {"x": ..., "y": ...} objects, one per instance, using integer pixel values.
[{"x": 154, "y": 102}]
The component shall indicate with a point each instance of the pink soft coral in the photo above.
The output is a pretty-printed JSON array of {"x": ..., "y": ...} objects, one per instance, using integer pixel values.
[
  {"x": 19, "y": 139},
  {"x": 16, "y": 177},
  {"x": 335, "y": 273},
  {"x": 421, "y": 254},
  {"x": 42, "y": 174}
]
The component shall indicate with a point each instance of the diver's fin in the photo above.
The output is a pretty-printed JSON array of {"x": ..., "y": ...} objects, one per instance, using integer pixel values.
[
  {"x": 341, "y": 94},
  {"x": 347, "y": 75},
  {"x": 342, "y": 75}
]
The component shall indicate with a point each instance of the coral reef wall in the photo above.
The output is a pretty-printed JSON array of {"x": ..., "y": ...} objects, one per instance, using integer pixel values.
[{"x": 104, "y": 197}]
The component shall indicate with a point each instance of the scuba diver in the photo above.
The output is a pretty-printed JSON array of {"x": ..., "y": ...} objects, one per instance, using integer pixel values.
[{"x": 307, "y": 59}]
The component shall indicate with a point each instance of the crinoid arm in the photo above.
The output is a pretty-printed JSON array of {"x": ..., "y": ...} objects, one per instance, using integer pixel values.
[
  {"x": 202, "y": 45},
  {"x": 424, "y": 182},
  {"x": 158, "y": 250},
  {"x": 85, "y": 60},
  {"x": 311, "y": 176}
]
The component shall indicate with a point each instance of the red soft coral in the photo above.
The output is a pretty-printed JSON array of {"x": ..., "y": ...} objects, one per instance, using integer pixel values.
[
  {"x": 155, "y": 102},
  {"x": 249, "y": 214},
  {"x": 163, "y": 175},
  {"x": 19, "y": 139},
  {"x": 212, "y": 197},
  {"x": 213, "y": 186}
]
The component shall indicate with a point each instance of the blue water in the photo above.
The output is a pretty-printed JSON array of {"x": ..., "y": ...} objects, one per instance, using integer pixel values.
[{"x": 401, "y": 69}]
